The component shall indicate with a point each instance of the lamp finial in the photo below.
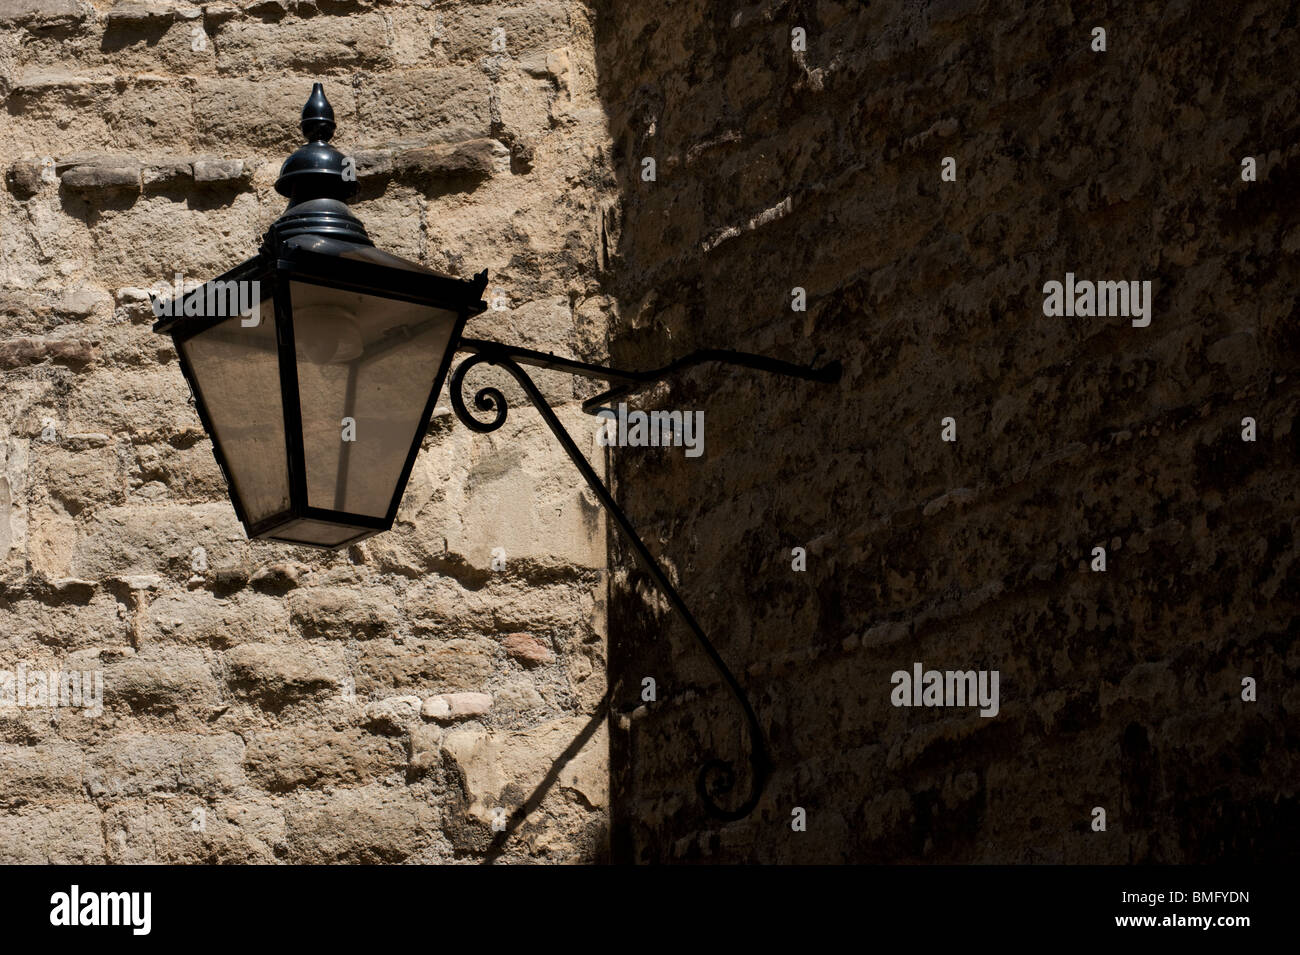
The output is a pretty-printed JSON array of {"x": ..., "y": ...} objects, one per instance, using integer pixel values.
[{"x": 318, "y": 116}]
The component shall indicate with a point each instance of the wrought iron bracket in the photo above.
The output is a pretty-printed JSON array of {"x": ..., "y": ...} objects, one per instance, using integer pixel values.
[{"x": 717, "y": 777}]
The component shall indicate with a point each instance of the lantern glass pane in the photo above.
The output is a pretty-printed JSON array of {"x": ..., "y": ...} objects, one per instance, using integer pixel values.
[
  {"x": 316, "y": 533},
  {"x": 365, "y": 366},
  {"x": 237, "y": 374}
]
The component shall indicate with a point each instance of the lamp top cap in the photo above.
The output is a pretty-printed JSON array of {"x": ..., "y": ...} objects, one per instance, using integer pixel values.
[
  {"x": 316, "y": 170},
  {"x": 317, "y": 116},
  {"x": 317, "y": 179}
]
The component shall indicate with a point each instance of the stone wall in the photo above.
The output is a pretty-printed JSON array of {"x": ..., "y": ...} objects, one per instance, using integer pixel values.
[
  {"x": 820, "y": 168},
  {"x": 262, "y": 703},
  {"x": 385, "y": 703}
]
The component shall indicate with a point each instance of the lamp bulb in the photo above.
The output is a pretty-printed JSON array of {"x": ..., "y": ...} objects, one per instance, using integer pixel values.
[{"x": 330, "y": 334}]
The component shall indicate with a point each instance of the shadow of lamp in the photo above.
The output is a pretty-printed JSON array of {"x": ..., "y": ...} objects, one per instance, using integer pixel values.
[{"x": 315, "y": 366}]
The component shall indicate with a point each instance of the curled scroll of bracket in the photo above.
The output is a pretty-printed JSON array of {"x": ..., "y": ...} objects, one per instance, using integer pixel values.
[
  {"x": 717, "y": 779},
  {"x": 485, "y": 399}
]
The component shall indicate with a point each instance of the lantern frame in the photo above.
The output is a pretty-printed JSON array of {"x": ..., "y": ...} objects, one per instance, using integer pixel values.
[{"x": 294, "y": 261}]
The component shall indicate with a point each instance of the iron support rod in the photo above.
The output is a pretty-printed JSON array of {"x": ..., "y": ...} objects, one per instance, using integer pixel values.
[
  {"x": 717, "y": 777},
  {"x": 635, "y": 380}
]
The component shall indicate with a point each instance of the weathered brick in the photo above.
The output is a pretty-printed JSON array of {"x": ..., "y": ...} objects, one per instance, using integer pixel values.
[
  {"x": 63, "y": 835},
  {"x": 103, "y": 175},
  {"x": 358, "y": 826},
  {"x": 276, "y": 674},
  {"x": 161, "y": 678},
  {"x": 343, "y": 613},
  {"x": 452, "y": 707},
  {"x": 41, "y": 13},
  {"x": 283, "y": 760},
  {"x": 527, "y": 649},
  {"x": 143, "y": 764},
  {"x": 462, "y": 163}
]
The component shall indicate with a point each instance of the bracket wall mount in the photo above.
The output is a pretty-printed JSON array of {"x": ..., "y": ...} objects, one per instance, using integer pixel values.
[{"x": 717, "y": 778}]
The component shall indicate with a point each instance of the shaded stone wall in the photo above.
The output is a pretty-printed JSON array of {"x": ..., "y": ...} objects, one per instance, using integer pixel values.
[
  {"x": 262, "y": 703},
  {"x": 820, "y": 169}
]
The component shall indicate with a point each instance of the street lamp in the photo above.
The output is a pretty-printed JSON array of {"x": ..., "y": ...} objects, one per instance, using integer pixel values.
[
  {"x": 317, "y": 398},
  {"x": 315, "y": 366}
]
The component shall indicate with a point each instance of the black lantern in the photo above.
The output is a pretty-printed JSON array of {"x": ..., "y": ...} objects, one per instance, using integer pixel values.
[{"x": 315, "y": 365}]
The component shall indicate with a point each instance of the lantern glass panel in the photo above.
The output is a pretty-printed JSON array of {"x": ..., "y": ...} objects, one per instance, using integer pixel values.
[
  {"x": 316, "y": 533},
  {"x": 366, "y": 366},
  {"x": 236, "y": 372}
]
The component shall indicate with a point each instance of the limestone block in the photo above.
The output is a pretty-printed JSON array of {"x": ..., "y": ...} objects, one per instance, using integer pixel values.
[
  {"x": 161, "y": 677},
  {"x": 142, "y": 539},
  {"x": 143, "y": 764},
  {"x": 368, "y": 825},
  {"x": 384, "y": 666},
  {"x": 495, "y": 766},
  {"x": 46, "y": 772},
  {"x": 13, "y": 501},
  {"x": 343, "y": 613},
  {"x": 41, "y": 13},
  {"x": 185, "y": 829},
  {"x": 453, "y": 707},
  {"x": 393, "y": 714},
  {"x": 315, "y": 757},
  {"x": 62, "y": 835},
  {"x": 446, "y": 104},
  {"x": 276, "y": 674}
]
